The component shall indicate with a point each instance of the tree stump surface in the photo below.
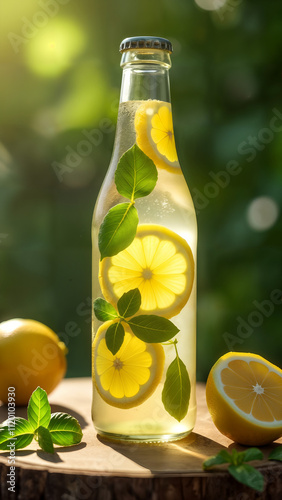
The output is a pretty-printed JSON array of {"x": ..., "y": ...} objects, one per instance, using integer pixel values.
[{"x": 98, "y": 469}]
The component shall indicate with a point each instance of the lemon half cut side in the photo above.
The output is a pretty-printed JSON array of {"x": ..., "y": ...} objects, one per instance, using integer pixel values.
[
  {"x": 159, "y": 263},
  {"x": 155, "y": 134},
  {"x": 129, "y": 377},
  {"x": 244, "y": 397}
]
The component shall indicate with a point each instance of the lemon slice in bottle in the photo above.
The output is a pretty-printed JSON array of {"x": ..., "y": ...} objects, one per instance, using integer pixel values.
[
  {"x": 129, "y": 377},
  {"x": 244, "y": 397},
  {"x": 159, "y": 262},
  {"x": 155, "y": 135}
]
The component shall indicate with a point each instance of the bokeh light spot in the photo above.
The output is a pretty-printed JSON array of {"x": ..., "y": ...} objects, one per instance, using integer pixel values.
[
  {"x": 262, "y": 213},
  {"x": 53, "y": 48},
  {"x": 211, "y": 4}
]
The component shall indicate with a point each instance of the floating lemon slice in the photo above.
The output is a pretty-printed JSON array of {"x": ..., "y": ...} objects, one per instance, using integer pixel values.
[
  {"x": 244, "y": 396},
  {"x": 158, "y": 262},
  {"x": 155, "y": 135},
  {"x": 129, "y": 377}
]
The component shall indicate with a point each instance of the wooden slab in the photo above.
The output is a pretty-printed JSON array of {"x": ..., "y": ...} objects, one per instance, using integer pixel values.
[{"x": 100, "y": 469}]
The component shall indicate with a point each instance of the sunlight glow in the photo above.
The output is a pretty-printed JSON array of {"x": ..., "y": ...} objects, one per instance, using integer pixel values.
[{"x": 53, "y": 49}]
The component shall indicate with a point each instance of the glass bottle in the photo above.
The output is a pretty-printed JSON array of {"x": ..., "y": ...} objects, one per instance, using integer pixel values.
[{"x": 144, "y": 237}]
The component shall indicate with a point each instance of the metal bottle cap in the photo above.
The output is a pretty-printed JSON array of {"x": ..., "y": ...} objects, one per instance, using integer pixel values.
[{"x": 145, "y": 42}]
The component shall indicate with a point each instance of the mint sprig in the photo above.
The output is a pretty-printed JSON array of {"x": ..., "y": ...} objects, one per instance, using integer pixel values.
[
  {"x": 136, "y": 176},
  {"x": 238, "y": 468},
  {"x": 46, "y": 428},
  {"x": 147, "y": 327}
]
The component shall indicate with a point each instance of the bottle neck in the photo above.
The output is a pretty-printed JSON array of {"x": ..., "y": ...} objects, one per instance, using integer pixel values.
[
  {"x": 145, "y": 81},
  {"x": 145, "y": 75}
]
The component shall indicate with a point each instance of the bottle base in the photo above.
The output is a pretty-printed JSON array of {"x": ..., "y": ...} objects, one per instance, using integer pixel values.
[{"x": 161, "y": 438}]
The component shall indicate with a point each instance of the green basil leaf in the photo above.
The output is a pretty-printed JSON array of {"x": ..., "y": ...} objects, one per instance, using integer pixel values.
[
  {"x": 136, "y": 174},
  {"x": 151, "y": 328},
  {"x": 20, "y": 434},
  {"x": 248, "y": 475},
  {"x": 114, "y": 337},
  {"x": 118, "y": 229},
  {"x": 65, "y": 429},
  {"x": 251, "y": 454},
  {"x": 276, "y": 454},
  {"x": 44, "y": 439},
  {"x": 103, "y": 310},
  {"x": 176, "y": 391},
  {"x": 38, "y": 410},
  {"x": 222, "y": 457},
  {"x": 129, "y": 303}
]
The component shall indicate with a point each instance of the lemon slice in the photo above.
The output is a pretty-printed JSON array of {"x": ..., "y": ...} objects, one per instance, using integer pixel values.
[
  {"x": 129, "y": 377},
  {"x": 244, "y": 396},
  {"x": 158, "y": 262},
  {"x": 155, "y": 135}
]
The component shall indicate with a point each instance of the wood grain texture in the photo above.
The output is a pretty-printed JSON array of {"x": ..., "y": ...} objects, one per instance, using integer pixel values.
[{"x": 104, "y": 470}]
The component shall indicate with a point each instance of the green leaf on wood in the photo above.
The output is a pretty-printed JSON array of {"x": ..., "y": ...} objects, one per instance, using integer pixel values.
[
  {"x": 38, "y": 410},
  {"x": 276, "y": 454},
  {"x": 176, "y": 391},
  {"x": 129, "y": 303},
  {"x": 251, "y": 454},
  {"x": 222, "y": 457},
  {"x": 19, "y": 432},
  {"x": 45, "y": 439},
  {"x": 65, "y": 429},
  {"x": 103, "y": 310},
  {"x": 152, "y": 328},
  {"x": 118, "y": 229},
  {"x": 114, "y": 337},
  {"x": 136, "y": 174},
  {"x": 248, "y": 475}
]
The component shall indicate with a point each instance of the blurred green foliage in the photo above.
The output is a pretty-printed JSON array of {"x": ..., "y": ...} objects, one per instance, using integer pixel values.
[{"x": 60, "y": 76}]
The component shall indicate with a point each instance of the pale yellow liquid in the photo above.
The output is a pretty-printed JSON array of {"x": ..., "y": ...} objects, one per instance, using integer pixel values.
[{"x": 170, "y": 205}]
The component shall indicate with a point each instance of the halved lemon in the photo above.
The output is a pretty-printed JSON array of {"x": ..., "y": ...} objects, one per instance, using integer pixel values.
[
  {"x": 129, "y": 377},
  {"x": 155, "y": 135},
  {"x": 159, "y": 262},
  {"x": 244, "y": 397}
]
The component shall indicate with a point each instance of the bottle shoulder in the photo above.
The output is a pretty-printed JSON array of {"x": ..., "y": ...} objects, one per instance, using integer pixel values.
[{"x": 170, "y": 203}]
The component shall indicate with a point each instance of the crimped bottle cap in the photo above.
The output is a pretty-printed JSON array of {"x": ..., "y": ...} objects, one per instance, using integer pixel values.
[{"x": 145, "y": 42}]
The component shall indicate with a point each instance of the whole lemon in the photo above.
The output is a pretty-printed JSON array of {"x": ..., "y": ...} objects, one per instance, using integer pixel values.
[{"x": 31, "y": 355}]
